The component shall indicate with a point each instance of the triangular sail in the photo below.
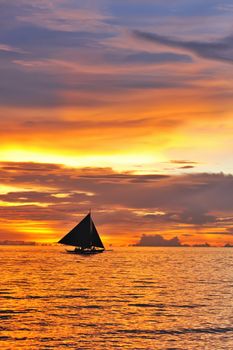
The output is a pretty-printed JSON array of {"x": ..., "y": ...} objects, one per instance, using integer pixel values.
[
  {"x": 96, "y": 241},
  {"x": 79, "y": 236},
  {"x": 83, "y": 235}
]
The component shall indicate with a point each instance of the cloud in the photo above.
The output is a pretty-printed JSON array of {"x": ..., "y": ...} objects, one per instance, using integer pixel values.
[
  {"x": 182, "y": 161},
  {"x": 8, "y": 48},
  {"x": 28, "y": 166},
  {"x": 32, "y": 213},
  {"x": 158, "y": 241},
  {"x": 201, "y": 191},
  {"x": 84, "y": 124},
  {"x": 225, "y": 7},
  {"x": 57, "y": 15},
  {"x": 146, "y": 58},
  {"x": 183, "y": 164},
  {"x": 219, "y": 50},
  {"x": 193, "y": 216},
  {"x": 36, "y": 39},
  {"x": 187, "y": 167},
  {"x": 65, "y": 56},
  {"x": 51, "y": 83},
  {"x": 54, "y": 192},
  {"x": 20, "y": 88}
]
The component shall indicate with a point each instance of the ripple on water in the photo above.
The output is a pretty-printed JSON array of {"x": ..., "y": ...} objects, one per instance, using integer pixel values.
[
  {"x": 149, "y": 305},
  {"x": 75, "y": 307},
  {"x": 3, "y": 337},
  {"x": 192, "y": 306},
  {"x": 209, "y": 330},
  {"x": 16, "y": 312},
  {"x": 10, "y": 297},
  {"x": 140, "y": 300}
]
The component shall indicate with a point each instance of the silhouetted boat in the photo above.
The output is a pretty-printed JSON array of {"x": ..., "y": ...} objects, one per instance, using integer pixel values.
[{"x": 84, "y": 237}]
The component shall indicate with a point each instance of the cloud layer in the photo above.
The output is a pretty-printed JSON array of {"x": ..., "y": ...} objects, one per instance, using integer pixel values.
[
  {"x": 122, "y": 202},
  {"x": 220, "y": 50}
]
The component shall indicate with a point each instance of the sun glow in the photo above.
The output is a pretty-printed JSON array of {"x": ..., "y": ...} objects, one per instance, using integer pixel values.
[
  {"x": 4, "y": 189},
  {"x": 37, "y": 230},
  {"x": 22, "y": 204},
  {"x": 118, "y": 162}
]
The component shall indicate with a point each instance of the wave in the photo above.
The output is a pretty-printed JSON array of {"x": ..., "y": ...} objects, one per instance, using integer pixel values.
[
  {"x": 210, "y": 330},
  {"x": 147, "y": 305}
]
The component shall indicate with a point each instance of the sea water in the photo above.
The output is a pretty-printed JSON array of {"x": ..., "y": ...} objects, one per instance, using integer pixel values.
[{"x": 130, "y": 298}]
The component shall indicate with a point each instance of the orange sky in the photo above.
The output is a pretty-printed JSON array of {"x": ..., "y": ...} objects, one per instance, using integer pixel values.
[{"x": 125, "y": 108}]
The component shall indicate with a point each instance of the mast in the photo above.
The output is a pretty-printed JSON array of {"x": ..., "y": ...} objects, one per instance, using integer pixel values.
[{"x": 90, "y": 221}]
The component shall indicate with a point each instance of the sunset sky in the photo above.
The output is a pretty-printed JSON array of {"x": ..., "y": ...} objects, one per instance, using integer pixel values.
[{"x": 121, "y": 106}]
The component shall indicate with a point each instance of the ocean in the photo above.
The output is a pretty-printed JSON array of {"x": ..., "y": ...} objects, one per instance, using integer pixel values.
[{"x": 130, "y": 298}]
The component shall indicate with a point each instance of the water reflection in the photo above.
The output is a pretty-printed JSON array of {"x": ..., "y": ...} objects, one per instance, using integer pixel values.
[{"x": 136, "y": 298}]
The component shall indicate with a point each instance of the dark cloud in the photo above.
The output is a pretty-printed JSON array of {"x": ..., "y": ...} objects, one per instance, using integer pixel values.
[
  {"x": 43, "y": 83},
  {"x": 163, "y": 57},
  {"x": 220, "y": 50},
  {"x": 144, "y": 58},
  {"x": 149, "y": 201},
  {"x": 193, "y": 216},
  {"x": 33, "y": 213},
  {"x": 56, "y": 54},
  {"x": 182, "y": 161},
  {"x": 229, "y": 231},
  {"x": 36, "y": 39},
  {"x": 219, "y": 233},
  {"x": 67, "y": 178},
  {"x": 196, "y": 216},
  {"x": 84, "y": 124},
  {"x": 187, "y": 167},
  {"x": 20, "y": 88},
  {"x": 28, "y": 166},
  {"x": 158, "y": 241},
  {"x": 27, "y": 196},
  {"x": 185, "y": 164},
  {"x": 204, "y": 192},
  {"x": 45, "y": 64}
]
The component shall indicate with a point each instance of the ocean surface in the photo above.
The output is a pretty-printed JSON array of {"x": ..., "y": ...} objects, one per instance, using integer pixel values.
[{"x": 130, "y": 298}]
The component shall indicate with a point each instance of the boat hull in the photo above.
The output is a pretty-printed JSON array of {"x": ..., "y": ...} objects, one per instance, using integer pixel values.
[{"x": 84, "y": 252}]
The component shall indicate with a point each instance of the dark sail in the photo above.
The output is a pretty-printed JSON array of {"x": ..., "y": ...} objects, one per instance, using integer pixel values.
[
  {"x": 83, "y": 235},
  {"x": 96, "y": 241}
]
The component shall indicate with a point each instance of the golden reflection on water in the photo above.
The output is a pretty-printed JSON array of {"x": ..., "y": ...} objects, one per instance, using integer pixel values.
[{"x": 134, "y": 298}]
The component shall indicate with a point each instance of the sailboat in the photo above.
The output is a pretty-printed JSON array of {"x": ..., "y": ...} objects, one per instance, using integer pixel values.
[{"x": 84, "y": 237}]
